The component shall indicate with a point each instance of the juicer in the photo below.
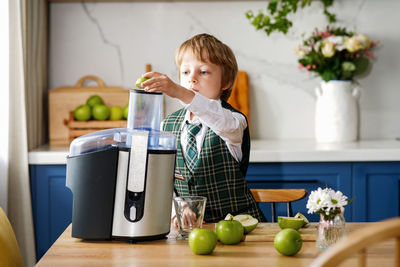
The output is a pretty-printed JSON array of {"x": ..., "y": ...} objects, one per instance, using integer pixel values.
[{"x": 122, "y": 179}]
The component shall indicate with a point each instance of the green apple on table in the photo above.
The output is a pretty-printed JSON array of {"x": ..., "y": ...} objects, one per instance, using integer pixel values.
[
  {"x": 288, "y": 242},
  {"x": 202, "y": 241},
  {"x": 229, "y": 232}
]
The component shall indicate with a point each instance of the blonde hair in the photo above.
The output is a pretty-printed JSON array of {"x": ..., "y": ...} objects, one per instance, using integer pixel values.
[{"x": 206, "y": 47}]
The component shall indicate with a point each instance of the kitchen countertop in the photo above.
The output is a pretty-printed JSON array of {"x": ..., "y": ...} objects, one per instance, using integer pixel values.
[{"x": 274, "y": 151}]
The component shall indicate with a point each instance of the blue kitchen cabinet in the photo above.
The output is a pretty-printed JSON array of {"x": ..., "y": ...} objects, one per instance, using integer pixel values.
[
  {"x": 51, "y": 204},
  {"x": 376, "y": 186},
  {"x": 306, "y": 175}
]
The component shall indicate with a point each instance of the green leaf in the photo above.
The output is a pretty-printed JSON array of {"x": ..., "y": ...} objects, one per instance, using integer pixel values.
[
  {"x": 361, "y": 65},
  {"x": 280, "y": 10},
  {"x": 328, "y": 75},
  {"x": 272, "y": 6},
  {"x": 249, "y": 14}
]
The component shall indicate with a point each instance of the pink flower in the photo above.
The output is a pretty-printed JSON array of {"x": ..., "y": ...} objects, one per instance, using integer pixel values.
[{"x": 369, "y": 54}]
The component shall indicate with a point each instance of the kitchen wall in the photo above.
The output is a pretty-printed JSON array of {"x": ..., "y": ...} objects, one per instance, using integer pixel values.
[{"x": 115, "y": 40}]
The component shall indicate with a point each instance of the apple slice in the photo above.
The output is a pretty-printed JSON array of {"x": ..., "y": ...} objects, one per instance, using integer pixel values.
[{"x": 249, "y": 222}]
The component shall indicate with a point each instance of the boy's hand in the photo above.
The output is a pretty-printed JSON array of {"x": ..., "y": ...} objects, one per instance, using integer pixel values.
[
  {"x": 162, "y": 83},
  {"x": 188, "y": 219}
]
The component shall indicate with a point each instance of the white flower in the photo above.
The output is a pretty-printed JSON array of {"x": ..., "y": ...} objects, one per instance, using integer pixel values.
[
  {"x": 315, "y": 200},
  {"x": 364, "y": 40},
  {"x": 301, "y": 50},
  {"x": 326, "y": 201},
  {"x": 338, "y": 200},
  {"x": 338, "y": 41},
  {"x": 328, "y": 49},
  {"x": 352, "y": 44}
]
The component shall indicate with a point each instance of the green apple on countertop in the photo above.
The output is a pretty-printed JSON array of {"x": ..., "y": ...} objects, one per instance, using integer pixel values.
[
  {"x": 202, "y": 241},
  {"x": 288, "y": 242},
  {"x": 229, "y": 232},
  {"x": 97, "y": 110}
]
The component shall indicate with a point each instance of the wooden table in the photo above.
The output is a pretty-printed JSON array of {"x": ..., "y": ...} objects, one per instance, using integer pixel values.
[{"x": 68, "y": 251}]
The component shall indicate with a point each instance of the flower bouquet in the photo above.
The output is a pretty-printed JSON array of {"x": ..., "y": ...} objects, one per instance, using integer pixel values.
[
  {"x": 335, "y": 54},
  {"x": 330, "y": 205},
  {"x": 326, "y": 202}
]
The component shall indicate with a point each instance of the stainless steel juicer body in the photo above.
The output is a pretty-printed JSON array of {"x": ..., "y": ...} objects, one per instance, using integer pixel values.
[{"x": 122, "y": 179}]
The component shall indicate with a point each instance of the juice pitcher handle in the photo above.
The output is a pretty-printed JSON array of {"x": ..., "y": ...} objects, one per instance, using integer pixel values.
[
  {"x": 318, "y": 91},
  {"x": 356, "y": 92}
]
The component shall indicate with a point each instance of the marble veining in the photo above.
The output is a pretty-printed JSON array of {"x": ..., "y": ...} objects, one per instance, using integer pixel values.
[
  {"x": 103, "y": 37},
  {"x": 114, "y": 40}
]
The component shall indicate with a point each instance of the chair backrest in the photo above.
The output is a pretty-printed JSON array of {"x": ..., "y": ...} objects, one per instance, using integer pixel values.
[
  {"x": 278, "y": 195},
  {"x": 10, "y": 254},
  {"x": 358, "y": 241}
]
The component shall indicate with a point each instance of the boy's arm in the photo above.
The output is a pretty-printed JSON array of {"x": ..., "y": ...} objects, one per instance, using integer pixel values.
[
  {"x": 162, "y": 83},
  {"x": 225, "y": 123}
]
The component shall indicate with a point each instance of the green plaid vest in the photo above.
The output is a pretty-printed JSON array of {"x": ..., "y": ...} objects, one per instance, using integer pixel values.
[{"x": 217, "y": 176}]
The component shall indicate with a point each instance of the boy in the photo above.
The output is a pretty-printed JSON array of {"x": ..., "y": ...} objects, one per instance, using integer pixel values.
[{"x": 213, "y": 141}]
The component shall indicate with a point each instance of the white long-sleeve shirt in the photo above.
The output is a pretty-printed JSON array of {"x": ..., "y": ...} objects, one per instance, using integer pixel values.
[{"x": 225, "y": 123}]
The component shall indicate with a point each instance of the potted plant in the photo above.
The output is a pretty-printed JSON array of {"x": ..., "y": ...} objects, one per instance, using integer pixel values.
[{"x": 337, "y": 56}]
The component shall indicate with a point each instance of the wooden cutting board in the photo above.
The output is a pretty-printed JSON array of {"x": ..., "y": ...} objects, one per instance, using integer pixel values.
[
  {"x": 240, "y": 97},
  {"x": 267, "y": 231}
]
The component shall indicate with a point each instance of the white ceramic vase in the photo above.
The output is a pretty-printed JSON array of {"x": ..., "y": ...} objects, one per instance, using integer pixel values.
[{"x": 337, "y": 112}]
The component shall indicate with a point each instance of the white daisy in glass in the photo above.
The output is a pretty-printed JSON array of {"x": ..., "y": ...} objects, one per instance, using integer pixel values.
[{"x": 327, "y": 202}]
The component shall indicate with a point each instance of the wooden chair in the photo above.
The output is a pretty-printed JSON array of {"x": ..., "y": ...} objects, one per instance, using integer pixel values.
[
  {"x": 358, "y": 241},
  {"x": 9, "y": 251},
  {"x": 278, "y": 195}
]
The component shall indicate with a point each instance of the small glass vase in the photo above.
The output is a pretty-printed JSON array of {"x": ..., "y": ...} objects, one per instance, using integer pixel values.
[{"x": 330, "y": 231}]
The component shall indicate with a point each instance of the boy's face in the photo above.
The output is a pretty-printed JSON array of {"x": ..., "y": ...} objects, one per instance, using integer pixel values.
[{"x": 202, "y": 77}]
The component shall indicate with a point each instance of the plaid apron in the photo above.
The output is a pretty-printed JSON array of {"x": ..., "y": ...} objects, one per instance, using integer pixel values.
[{"x": 217, "y": 175}]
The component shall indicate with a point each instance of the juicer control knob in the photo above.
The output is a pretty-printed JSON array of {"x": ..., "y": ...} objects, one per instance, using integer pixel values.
[{"x": 132, "y": 213}]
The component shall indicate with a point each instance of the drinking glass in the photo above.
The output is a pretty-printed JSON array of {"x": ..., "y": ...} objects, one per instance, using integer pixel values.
[{"x": 189, "y": 214}]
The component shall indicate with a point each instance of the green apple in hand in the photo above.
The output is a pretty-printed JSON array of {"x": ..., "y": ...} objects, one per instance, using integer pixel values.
[{"x": 202, "y": 241}]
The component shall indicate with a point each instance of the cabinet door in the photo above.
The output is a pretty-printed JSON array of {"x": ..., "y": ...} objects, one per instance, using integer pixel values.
[
  {"x": 309, "y": 176},
  {"x": 376, "y": 186},
  {"x": 51, "y": 204}
]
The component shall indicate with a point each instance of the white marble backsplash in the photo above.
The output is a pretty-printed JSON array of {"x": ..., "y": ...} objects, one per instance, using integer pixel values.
[{"x": 115, "y": 40}]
